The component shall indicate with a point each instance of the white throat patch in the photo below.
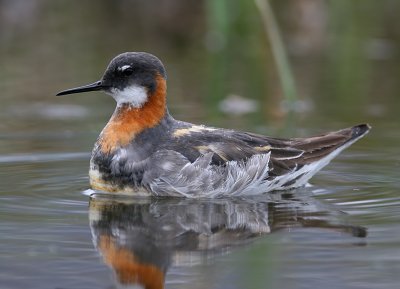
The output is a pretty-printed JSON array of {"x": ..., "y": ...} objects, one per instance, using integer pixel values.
[{"x": 133, "y": 95}]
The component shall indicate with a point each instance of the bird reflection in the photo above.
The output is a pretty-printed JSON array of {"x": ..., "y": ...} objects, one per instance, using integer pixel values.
[{"x": 141, "y": 238}]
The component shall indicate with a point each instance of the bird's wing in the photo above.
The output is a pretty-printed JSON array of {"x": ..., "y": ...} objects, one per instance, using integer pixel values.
[
  {"x": 292, "y": 154},
  {"x": 230, "y": 145},
  {"x": 287, "y": 155}
]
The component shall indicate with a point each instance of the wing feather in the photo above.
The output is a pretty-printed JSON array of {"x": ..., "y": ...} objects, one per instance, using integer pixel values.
[{"x": 287, "y": 155}]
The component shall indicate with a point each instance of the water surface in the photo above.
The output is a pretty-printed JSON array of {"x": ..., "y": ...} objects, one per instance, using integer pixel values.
[{"x": 343, "y": 231}]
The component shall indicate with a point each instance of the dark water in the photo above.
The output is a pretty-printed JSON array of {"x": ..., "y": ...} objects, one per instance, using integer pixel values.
[{"x": 342, "y": 232}]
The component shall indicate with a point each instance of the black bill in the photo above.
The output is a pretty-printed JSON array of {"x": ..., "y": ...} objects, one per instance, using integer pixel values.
[{"x": 90, "y": 87}]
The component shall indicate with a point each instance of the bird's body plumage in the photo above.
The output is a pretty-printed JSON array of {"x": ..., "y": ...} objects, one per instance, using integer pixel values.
[{"x": 144, "y": 150}]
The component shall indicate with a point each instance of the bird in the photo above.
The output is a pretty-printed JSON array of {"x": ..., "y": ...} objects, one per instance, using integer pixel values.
[{"x": 144, "y": 151}]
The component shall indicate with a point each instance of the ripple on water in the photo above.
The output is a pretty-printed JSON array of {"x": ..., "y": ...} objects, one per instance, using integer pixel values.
[{"x": 43, "y": 157}]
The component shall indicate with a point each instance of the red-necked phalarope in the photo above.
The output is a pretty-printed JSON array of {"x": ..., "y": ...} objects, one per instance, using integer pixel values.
[{"x": 144, "y": 150}]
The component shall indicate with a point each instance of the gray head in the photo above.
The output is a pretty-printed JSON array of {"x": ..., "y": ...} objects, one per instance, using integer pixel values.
[{"x": 129, "y": 78}]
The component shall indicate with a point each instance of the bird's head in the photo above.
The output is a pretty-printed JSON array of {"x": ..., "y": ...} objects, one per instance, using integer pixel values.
[{"x": 131, "y": 78}]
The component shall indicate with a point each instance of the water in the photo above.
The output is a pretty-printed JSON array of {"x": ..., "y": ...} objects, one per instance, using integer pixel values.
[{"x": 342, "y": 232}]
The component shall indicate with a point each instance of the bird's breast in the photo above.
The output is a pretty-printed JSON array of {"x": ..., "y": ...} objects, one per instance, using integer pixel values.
[
  {"x": 116, "y": 172},
  {"x": 124, "y": 126},
  {"x": 100, "y": 182}
]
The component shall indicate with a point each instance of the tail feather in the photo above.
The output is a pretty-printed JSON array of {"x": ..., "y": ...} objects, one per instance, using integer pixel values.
[
  {"x": 360, "y": 130},
  {"x": 319, "y": 151},
  {"x": 316, "y": 148}
]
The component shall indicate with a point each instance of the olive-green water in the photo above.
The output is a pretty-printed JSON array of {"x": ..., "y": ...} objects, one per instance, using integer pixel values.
[{"x": 341, "y": 232}]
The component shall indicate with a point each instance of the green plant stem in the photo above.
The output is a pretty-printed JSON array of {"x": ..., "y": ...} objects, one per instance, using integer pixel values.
[{"x": 278, "y": 50}]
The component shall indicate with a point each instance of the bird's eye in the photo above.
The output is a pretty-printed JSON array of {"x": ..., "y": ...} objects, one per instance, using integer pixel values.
[{"x": 127, "y": 71}]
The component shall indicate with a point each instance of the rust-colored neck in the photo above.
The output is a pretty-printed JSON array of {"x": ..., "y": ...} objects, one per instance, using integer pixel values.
[{"x": 127, "y": 121}]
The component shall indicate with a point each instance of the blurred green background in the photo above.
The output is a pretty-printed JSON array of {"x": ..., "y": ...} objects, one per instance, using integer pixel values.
[{"x": 344, "y": 57}]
